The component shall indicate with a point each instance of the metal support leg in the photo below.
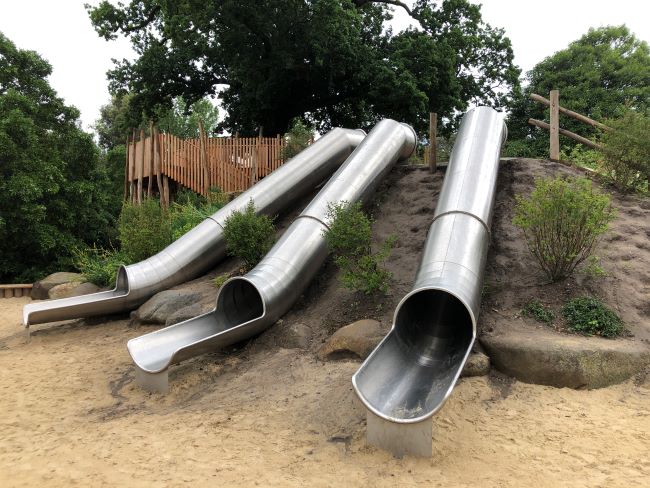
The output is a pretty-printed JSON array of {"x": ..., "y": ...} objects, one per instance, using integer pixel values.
[
  {"x": 153, "y": 382},
  {"x": 398, "y": 438}
]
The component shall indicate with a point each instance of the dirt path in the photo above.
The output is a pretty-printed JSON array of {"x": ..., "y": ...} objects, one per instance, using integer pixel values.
[{"x": 71, "y": 415}]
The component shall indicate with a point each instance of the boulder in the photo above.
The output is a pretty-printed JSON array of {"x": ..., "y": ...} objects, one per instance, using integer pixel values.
[
  {"x": 162, "y": 305},
  {"x": 358, "y": 339},
  {"x": 478, "y": 364},
  {"x": 549, "y": 358},
  {"x": 184, "y": 313},
  {"x": 72, "y": 289},
  {"x": 287, "y": 336},
  {"x": 41, "y": 289}
]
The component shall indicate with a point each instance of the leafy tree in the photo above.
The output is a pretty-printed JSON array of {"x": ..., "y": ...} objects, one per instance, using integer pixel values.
[
  {"x": 597, "y": 75},
  {"x": 330, "y": 59},
  {"x": 53, "y": 190}
]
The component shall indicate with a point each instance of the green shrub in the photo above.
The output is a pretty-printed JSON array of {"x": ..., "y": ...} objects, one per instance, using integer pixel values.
[
  {"x": 587, "y": 315},
  {"x": 349, "y": 238},
  {"x": 144, "y": 229},
  {"x": 185, "y": 216},
  {"x": 249, "y": 236},
  {"x": 519, "y": 148},
  {"x": 536, "y": 310},
  {"x": 98, "y": 265},
  {"x": 585, "y": 158},
  {"x": 562, "y": 220},
  {"x": 220, "y": 280},
  {"x": 627, "y": 151},
  {"x": 298, "y": 138}
]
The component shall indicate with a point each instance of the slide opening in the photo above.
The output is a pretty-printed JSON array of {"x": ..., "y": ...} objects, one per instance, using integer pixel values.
[
  {"x": 436, "y": 325},
  {"x": 239, "y": 302}
]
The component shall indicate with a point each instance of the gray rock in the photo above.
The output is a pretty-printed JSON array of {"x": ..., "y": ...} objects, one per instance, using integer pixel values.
[
  {"x": 358, "y": 338},
  {"x": 287, "y": 336},
  {"x": 41, "y": 288},
  {"x": 548, "y": 358},
  {"x": 184, "y": 313},
  {"x": 478, "y": 364},
  {"x": 162, "y": 305},
  {"x": 72, "y": 289}
]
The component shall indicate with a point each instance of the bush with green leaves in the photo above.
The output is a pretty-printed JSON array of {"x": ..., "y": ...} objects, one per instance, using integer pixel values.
[
  {"x": 185, "y": 216},
  {"x": 626, "y": 151},
  {"x": 144, "y": 229},
  {"x": 298, "y": 138},
  {"x": 249, "y": 236},
  {"x": 585, "y": 158},
  {"x": 562, "y": 220},
  {"x": 588, "y": 315},
  {"x": 536, "y": 310},
  {"x": 98, "y": 265},
  {"x": 349, "y": 238}
]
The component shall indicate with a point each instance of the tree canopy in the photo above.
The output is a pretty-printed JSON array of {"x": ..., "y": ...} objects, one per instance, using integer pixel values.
[
  {"x": 330, "y": 61},
  {"x": 598, "y": 75},
  {"x": 53, "y": 188}
]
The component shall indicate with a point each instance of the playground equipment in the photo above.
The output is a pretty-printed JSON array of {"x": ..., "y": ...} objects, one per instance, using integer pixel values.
[
  {"x": 203, "y": 247},
  {"x": 249, "y": 304},
  {"x": 412, "y": 372}
]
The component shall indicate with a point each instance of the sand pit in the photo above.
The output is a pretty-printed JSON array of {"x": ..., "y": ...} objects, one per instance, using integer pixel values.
[{"x": 259, "y": 415}]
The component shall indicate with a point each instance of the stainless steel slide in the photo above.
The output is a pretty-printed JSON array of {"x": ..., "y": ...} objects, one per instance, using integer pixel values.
[
  {"x": 411, "y": 373},
  {"x": 249, "y": 304},
  {"x": 204, "y": 246}
]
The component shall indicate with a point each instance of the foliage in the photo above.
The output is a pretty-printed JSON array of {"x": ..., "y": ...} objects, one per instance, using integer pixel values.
[
  {"x": 331, "y": 59},
  {"x": 588, "y": 315},
  {"x": 144, "y": 230},
  {"x": 349, "y": 238},
  {"x": 627, "y": 150},
  {"x": 185, "y": 216},
  {"x": 98, "y": 265},
  {"x": 519, "y": 148},
  {"x": 536, "y": 310},
  {"x": 596, "y": 76},
  {"x": 562, "y": 220},
  {"x": 582, "y": 157},
  {"x": 249, "y": 236},
  {"x": 54, "y": 191},
  {"x": 593, "y": 268},
  {"x": 298, "y": 138},
  {"x": 220, "y": 280}
]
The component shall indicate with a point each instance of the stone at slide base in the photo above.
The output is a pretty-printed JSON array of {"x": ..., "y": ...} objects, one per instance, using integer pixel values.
[
  {"x": 478, "y": 364},
  {"x": 41, "y": 288},
  {"x": 358, "y": 338},
  {"x": 549, "y": 358},
  {"x": 162, "y": 305},
  {"x": 184, "y": 313},
  {"x": 72, "y": 289}
]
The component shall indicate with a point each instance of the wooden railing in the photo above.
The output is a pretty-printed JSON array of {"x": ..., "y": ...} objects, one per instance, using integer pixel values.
[
  {"x": 9, "y": 291},
  {"x": 553, "y": 102},
  {"x": 232, "y": 164}
]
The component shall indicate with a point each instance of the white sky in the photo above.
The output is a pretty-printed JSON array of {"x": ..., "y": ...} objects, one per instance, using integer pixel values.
[{"x": 61, "y": 32}]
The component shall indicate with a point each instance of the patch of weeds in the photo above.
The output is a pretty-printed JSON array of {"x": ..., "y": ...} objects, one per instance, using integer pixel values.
[
  {"x": 536, "y": 310},
  {"x": 589, "y": 316},
  {"x": 219, "y": 280},
  {"x": 593, "y": 269}
]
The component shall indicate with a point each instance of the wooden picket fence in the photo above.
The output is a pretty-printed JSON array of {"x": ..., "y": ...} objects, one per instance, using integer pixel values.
[{"x": 232, "y": 164}]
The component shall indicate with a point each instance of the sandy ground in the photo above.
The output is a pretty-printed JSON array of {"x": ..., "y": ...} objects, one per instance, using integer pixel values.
[
  {"x": 71, "y": 415},
  {"x": 258, "y": 414}
]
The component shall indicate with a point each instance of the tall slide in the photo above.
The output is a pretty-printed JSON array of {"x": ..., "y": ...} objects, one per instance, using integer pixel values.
[
  {"x": 203, "y": 247},
  {"x": 248, "y": 304},
  {"x": 412, "y": 372}
]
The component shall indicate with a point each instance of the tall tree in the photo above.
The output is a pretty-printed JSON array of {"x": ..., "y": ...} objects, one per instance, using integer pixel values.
[
  {"x": 53, "y": 191},
  {"x": 331, "y": 61},
  {"x": 597, "y": 75}
]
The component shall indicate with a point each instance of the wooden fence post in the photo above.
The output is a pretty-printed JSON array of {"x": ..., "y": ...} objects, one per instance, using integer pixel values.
[
  {"x": 203, "y": 157},
  {"x": 132, "y": 162},
  {"x": 150, "y": 165},
  {"x": 126, "y": 168},
  {"x": 141, "y": 167},
  {"x": 433, "y": 149},
  {"x": 555, "y": 125},
  {"x": 257, "y": 158}
]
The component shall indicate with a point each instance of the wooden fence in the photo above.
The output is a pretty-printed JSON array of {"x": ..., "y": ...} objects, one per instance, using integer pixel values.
[
  {"x": 553, "y": 102},
  {"x": 9, "y": 291},
  {"x": 232, "y": 164}
]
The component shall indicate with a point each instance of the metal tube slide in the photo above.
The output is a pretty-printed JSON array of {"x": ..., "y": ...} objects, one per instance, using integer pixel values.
[
  {"x": 204, "y": 246},
  {"x": 411, "y": 373},
  {"x": 249, "y": 304}
]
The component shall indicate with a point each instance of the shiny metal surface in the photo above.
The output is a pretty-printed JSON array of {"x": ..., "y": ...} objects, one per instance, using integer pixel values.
[
  {"x": 203, "y": 247},
  {"x": 249, "y": 304},
  {"x": 411, "y": 373}
]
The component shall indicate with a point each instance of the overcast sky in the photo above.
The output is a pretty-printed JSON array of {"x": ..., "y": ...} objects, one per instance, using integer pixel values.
[{"x": 61, "y": 32}]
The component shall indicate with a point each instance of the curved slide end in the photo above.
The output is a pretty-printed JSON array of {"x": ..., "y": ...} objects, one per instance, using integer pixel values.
[
  {"x": 104, "y": 302},
  {"x": 412, "y": 372},
  {"x": 240, "y": 311}
]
